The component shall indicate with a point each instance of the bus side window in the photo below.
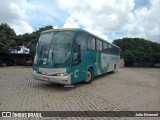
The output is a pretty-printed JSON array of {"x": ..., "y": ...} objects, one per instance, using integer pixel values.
[
  {"x": 79, "y": 48},
  {"x": 109, "y": 48},
  {"x": 91, "y": 43},
  {"x": 99, "y": 45},
  {"x": 105, "y": 47}
]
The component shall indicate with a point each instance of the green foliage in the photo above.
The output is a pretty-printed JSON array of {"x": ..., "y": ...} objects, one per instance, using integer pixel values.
[
  {"x": 129, "y": 57},
  {"x": 138, "y": 51},
  {"x": 9, "y": 39}
]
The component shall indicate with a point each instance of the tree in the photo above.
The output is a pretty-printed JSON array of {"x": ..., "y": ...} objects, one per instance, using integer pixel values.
[
  {"x": 139, "y": 50},
  {"x": 7, "y": 38},
  {"x": 129, "y": 58}
]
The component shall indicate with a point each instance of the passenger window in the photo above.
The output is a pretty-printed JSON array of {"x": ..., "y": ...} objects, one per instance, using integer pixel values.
[
  {"x": 117, "y": 51},
  {"x": 91, "y": 43},
  {"x": 114, "y": 50},
  {"x": 105, "y": 47},
  {"x": 79, "y": 48},
  {"x": 109, "y": 48},
  {"x": 99, "y": 45}
]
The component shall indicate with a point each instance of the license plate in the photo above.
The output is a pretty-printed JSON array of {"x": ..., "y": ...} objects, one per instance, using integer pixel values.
[{"x": 45, "y": 79}]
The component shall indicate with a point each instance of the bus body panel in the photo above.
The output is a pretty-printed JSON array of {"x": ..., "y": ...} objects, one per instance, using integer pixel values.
[
  {"x": 66, "y": 80},
  {"x": 49, "y": 74}
]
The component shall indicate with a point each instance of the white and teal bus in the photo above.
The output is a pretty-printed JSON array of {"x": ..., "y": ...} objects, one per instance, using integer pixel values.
[{"x": 69, "y": 56}]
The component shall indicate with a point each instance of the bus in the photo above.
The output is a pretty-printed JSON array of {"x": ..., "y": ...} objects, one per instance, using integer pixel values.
[{"x": 71, "y": 55}]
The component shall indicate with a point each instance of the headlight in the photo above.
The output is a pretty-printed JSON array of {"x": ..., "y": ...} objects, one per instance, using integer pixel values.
[
  {"x": 62, "y": 74},
  {"x": 35, "y": 71}
]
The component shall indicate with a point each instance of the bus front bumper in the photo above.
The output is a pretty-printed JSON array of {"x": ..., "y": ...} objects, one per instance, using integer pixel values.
[{"x": 66, "y": 80}]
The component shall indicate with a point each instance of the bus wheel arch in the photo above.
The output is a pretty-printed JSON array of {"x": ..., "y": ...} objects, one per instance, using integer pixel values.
[{"x": 89, "y": 75}]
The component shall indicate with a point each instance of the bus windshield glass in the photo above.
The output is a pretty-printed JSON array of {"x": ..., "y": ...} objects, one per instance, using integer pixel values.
[{"x": 54, "y": 48}]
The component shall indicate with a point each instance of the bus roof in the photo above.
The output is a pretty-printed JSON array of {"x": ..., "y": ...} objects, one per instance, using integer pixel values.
[
  {"x": 77, "y": 29},
  {"x": 61, "y": 29}
]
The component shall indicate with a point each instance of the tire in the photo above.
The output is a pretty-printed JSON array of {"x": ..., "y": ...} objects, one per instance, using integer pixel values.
[
  {"x": 115, "y": 67},
  {"x": 89, "y": 76}
]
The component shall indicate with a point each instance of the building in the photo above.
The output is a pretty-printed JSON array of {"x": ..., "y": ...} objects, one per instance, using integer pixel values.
[{"x": 20, "y": 49}]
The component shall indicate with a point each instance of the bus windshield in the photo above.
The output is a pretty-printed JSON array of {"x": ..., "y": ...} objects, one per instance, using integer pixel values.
[{"x": 54, "y": 48}]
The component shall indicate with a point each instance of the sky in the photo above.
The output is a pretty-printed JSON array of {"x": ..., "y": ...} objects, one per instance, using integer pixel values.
[{"x": 109, "y": 19}]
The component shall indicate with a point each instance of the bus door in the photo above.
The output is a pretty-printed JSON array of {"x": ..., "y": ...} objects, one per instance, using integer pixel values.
[{"x": 78, "y": 69}]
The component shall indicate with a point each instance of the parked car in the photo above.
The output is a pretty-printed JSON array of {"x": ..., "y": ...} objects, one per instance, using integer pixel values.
[
  {"x": 7, "y": 61},
  {"x": 157, "y": 65},
  {"x": 29, "y": 62}
]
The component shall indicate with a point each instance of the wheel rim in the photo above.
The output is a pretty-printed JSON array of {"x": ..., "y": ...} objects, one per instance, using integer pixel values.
[{"x": 88, "y": 76}]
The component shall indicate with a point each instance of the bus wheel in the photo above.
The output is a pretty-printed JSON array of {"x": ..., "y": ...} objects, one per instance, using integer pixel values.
[
  {"x": 89, "y": 76},
  {"x": 114, "y": 67}
]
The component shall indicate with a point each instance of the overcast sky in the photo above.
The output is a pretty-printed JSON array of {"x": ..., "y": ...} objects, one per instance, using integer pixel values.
[{"x": 109, "y": 19}]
